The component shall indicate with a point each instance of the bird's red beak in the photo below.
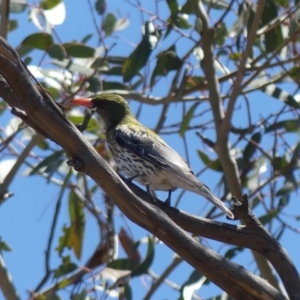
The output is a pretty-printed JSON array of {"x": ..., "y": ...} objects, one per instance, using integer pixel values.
[{"x": 83, "y": 102}]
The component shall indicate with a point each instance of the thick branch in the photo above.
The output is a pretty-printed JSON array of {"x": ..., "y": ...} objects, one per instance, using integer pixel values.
[{"x": 253, "y": 236}]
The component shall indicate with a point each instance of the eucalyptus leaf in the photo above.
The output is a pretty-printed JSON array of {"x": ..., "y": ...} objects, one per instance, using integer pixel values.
[
  {"x": 77, "y": 218},
  {"x": 146, "y": 264},
  {"x": 79, "y": 50},
  {"x": 139, "y": 57},
  {"x": 109, "y": 24},
  {"x": 42, "y": 41},
  {"x": 187, "y": 119}
]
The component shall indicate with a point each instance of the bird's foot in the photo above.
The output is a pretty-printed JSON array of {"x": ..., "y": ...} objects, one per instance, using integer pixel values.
[
  {"x": 150, "y": 193},
  {"x": 168, "y": 200},
  {"x": 129, "y": 179}
]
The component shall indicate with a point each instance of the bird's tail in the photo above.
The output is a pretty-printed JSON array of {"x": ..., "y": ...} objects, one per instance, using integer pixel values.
[{"x": 206, "y": 193}]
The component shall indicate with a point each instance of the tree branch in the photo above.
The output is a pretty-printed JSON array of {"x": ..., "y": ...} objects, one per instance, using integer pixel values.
[
  {"x": 12, "y": 173},
  {"x": 240, "y": 74},
  {"x": 222, "y": 121},
  {"x": 6, "y": 283},
  {"x": 40, "y": 109}
]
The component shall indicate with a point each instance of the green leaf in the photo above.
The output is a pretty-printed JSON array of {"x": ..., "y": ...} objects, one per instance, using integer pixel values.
[
  {"x": 83, "y": 295},
  {"x": 283, "y": 3},
  {"x": 273, "y": 37},
  {"x": 64, "y": 240},
  {"x": 166, "y": 62},
  {"x": 109, "y": 24},
  {"x": 279, "y": 163},
  {"x": 280, "y": 94},
  {"x": 251, "y": 147},
  {"x": 76, "y": 213},
  {"x": 212, "y": 164},
  {"x": 288, "y": 125},
  {"x": 195, "y": 81},
  {"x": 118, "y": 60},
  {"x": 127, "y": 292},
  {"x": 179, "y": 21},
  {"x": 146, "y": 264},
  {"x": 93, "y": 125},
  {"x": 256, "y": 168},
  {"x": 43, "y": 144},
  {"x": 173, "y": 6},
  {"x": 217, "y": 4},
  {"x": 49, "y": 4},
  {"x": 238, "y": 25},
  {"x": 268, "y": 217},
  {"x": 115, "y": 71},
  {"x": 243, "y": 131},
  {"x": 99, "y": 63},
  {"x": 122, "y": 264},
  {"x": 287, "y": 188},
  {"x": 114, "y": 85},
  {"x": 12, "y": 25},
  {"x": 194, "y": 277},
  {"x": 221, "y": 34},
  {"x": 16, "y": 6},
  {"x": 294, "y": 22},
  {"x": 231, "y": 253},
  {"x": 53, "y": 92},
  {"x": 187, "y": 119},
  {"x": 3, "y": 106},
  {"x": 295, "y": 156},
  {"x": 187, "y": 9},
  {"x": 79, "y": 50},
  {"x": 27, "y": 61},
  {"x": 198, "y": 26},
  {"x": 23, "y": 50},
  {"x": 57, "y": 51},
  {"x": 235, "y": 56},
  {"x": 42, "y": 41},
  {"x": 52, "y": 296},
  {"x": 291, "y": 178},
  {"x": 4, "y": 246},
  {"x": 95, "y": 84},
  {"x": 65, "y": 268},
  {"x": 283, "y": 201},
  {"x": 52, "y": 159},
  {"x": 139, "y": 57},
  {"x": 86, "y": 38},
  {"x": 294, "y": 73},
  {"x": 101, "y": 6}
]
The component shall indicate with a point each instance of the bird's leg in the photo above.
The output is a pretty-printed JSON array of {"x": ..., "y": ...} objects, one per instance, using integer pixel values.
[
  {"x": 149, "y": 192},
  {"x": 132, "y": 177},
  {"x": 168, "y": 200}
]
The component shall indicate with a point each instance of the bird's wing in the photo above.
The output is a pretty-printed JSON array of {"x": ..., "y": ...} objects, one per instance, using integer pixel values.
[{"x": 151, "y": 148}]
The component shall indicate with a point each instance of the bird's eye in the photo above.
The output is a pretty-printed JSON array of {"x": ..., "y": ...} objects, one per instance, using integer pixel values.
[{"x": 103, "y": 104}]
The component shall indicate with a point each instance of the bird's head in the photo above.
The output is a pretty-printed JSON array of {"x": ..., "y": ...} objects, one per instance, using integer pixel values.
[{"x": 111, "y": 108}]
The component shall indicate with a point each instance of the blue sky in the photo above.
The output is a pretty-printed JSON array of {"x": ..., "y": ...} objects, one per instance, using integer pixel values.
[{"x": 25, "y": 218}]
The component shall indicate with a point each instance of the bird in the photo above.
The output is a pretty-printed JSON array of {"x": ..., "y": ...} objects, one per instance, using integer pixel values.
[{"x": 141, "y": 154}]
